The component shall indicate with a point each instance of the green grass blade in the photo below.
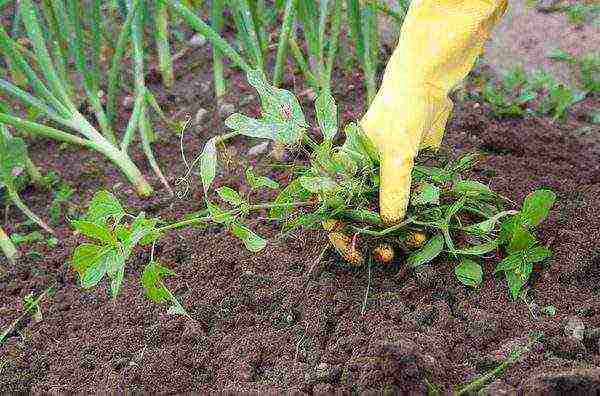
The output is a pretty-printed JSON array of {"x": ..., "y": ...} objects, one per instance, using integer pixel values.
[
  {"x": 165, "y": 61},
  {"x": 333, "y": 44},
  {"x": 30, "y": 100},
  {"x": 140, "y": 89},
  {"x": 43, "y": 130},
  {"x": 284, "y": 35},
  {"x": 36, "y": 37},
  {"x": 307, "y": 15},
  {"x": 90, "y": 76},
  {"x": 242, "y": 17},
  {"x": 323, "y": 17},
  {"x": 200, "y": 26},
  {"x": 369, "y": 66},
  {"x": 95, "y": 19},
  {"x": 302, "y": 64},
  {"x": 216, "y": 17},
  {"x": 113, "y": 73},
  {"x": 40, "y": 89},
  {"x": 132, "y": 124},
  {"x": 59, "y": 46},
  {"x": 355, "y": 29}
]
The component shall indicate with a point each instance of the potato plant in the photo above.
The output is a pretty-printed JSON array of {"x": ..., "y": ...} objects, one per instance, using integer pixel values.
[{"x": 336, "y": 189}]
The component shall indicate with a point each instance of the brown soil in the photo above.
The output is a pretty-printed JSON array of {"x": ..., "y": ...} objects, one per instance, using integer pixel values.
[{"x": 261, "y": 324}]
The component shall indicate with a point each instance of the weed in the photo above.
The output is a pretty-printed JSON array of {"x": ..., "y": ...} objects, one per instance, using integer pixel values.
[
  {"x": 29, "y": 304},
  {"x": 513, "y": 357},
  {"x": 450, "y": 214},
  {"x": 581, "y": 13}
]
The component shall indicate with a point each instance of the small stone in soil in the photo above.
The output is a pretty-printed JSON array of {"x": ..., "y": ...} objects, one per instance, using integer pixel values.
[
  {"x": 200, "y": 114},
  {"x": 226, "y": 109},
  {"x": 197, "y": 40},
  {"x": 575, "y": 328},
  {"x": 258, "y": 149}
]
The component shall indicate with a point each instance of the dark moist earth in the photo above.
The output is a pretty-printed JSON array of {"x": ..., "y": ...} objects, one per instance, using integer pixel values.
[{"x": 261, "y": 323}]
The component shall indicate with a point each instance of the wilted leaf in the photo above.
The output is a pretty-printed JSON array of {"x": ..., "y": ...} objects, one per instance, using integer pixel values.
[
  {"x": 230, "y": 196},
  {"x": 537, "y": 206},
  {"x": 208, "y": 163},
  {"x": 103, "y": 206},
  {"x": 469, "y": 273},
  {"x": 326, "y": 110},
  {"x": 427, "y": 253},
  {"x": 252, "y": 241}
]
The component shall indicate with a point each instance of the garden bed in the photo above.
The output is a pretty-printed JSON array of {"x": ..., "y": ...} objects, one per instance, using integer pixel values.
[{"x": 265, "y": 322}]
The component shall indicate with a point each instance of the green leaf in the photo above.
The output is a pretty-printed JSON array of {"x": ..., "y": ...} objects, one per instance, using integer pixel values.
[
  {"x": 469, "y": 273},
  {"x": 252, "y": 241},
  {"x": 521, "y": 240},
  {"x": 291, "y": 193},
  {"x": 549, "y": 310},
  {"x": 13, "y": 158},
  {"x": 359, "y": 147},
  {"x": 218, "y": 215},
  {"x": 87, "y": 255},
  {"x": 317, "y": 184},
  {"x": 515, "y": 283},
  {"x": 560, "y": 55},
  {"x": 252, "y": 127},
  {"x": 471, "y": 188},
  {"x": 260, "y": 181},
  {"x": 230, "y": 196},
  {"x": 99, "y": 231},
  {"x": 478, "y": 250},
  {"x": 208, "y": 163},
  {"x": 486, "y": 226},
  {"x": 153, "y": 284},
  {"x": 142, "y": 230},
  {"x": 537, "y": 206},
  {"x": 103, "y": 206},
  {"x": 34, "y": 236},
  {"x": 92, "y": 262},
  {"x": 426, "y": 194},
  {"x": 537, "y": 254},
  {"x": 427, "y": 253},
  {"x": 326, "y": 110},
  {"x": 509, "y": 263}
]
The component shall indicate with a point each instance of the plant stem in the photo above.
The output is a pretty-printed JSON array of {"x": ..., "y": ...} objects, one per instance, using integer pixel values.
[
  {"x": 302, "y": 65},
  {"x": 8, "y": 248},
  {"x": 14, "y": 197},
  {"x": 198, "y": 220},
  {"x": 286, "y": 28}
]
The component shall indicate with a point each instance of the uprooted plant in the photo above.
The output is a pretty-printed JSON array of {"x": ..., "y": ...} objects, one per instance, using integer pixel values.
[{"x": 337, "y": 188}]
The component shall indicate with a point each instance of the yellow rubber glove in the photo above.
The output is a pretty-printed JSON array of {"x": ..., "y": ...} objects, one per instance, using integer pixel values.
[{"x": 438, "y": 45}]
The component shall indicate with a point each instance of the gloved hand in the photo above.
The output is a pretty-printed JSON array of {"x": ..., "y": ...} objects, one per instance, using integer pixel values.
[{"x": 438, "y": 45}]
